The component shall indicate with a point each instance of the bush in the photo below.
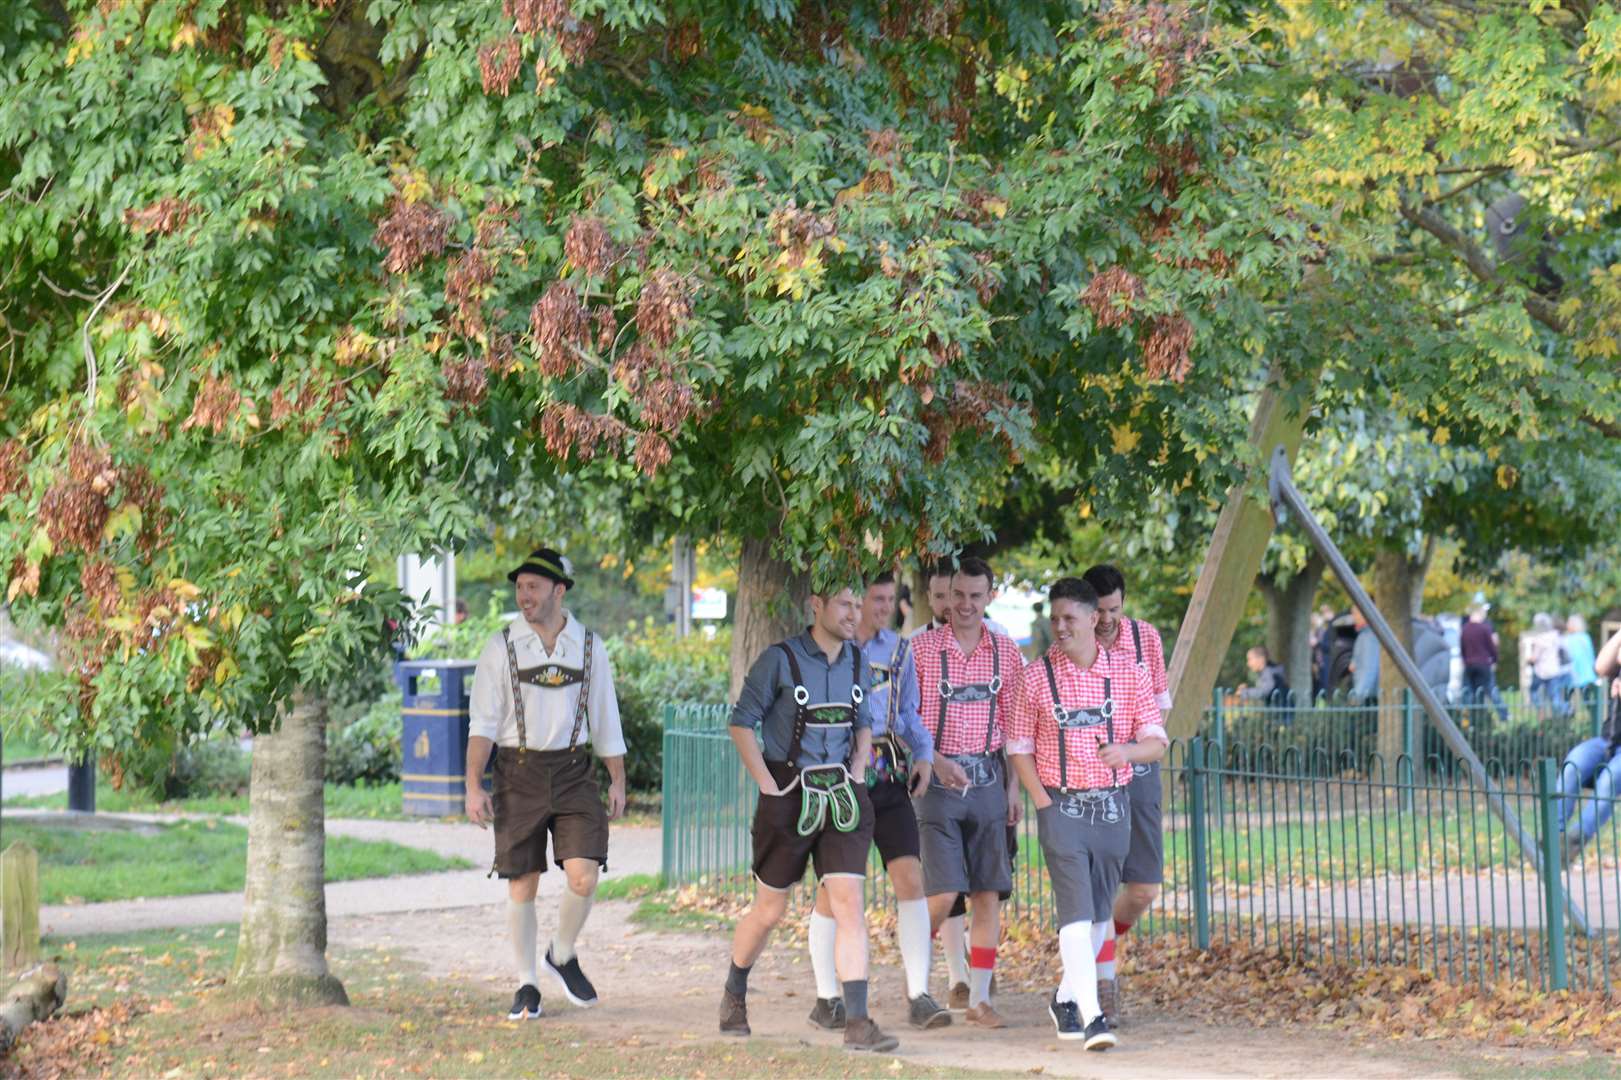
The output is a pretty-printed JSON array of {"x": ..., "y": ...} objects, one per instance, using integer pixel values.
[
  {"x": 211, "y": 767},
  {"x": 364, "y": 743},
  {"x": 654, "y": 668}
]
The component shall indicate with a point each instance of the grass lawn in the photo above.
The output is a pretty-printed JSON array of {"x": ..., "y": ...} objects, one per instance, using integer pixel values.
[
  {"x": 21, "y": 744},
  {"x": 92, "y": 865},
  {"x": 155, "y": 1004},
  {"x": 382, "y": 801}
]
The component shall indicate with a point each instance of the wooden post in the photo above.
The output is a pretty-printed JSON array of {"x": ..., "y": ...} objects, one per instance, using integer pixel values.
[
  {"x": 19, "y": 907},
  {"x": 1234, "y": 557}
]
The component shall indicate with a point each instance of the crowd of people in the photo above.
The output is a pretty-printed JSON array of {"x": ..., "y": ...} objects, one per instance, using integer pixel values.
[
  {"x": 923, "y": 746},
  {"x": 859, "y": 737}
]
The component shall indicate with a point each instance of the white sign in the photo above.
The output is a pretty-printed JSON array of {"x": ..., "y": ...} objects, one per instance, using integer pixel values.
[{"x": 709, "y": 603}]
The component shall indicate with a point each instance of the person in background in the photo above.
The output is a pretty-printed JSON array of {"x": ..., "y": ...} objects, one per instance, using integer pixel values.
[
  {"x": 1364, "y": 661},
  {"x": 1579, "y": 647},
  {"x": 1041, "y": 632},
  {"x": 1271, "y": 684},
  {"x": 1550, "y": 666},
  {"x": 903, "y": 608},
  {"x": 1477, "y": 641},
  {"x": 1594, "y": 763}
]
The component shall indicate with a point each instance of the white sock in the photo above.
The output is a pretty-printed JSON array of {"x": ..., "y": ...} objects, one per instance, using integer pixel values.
[
  {"x": 571, "y": 913},
  {"x": 954, "y": 943},
  {"x": 1079, "y": 955},
  {"x": 823, "y": 929},
  {"x": 1106, "y": 966},
  {"x": 912, "y": 928},
  {"x": 522, "y": 929},
  {"x": 979, "y": 986}
]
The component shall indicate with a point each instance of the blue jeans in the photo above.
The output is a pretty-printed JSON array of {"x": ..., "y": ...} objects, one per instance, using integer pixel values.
[
  {"x": 1554, "y": 692},
  {"x": 1589, "y": 762}
]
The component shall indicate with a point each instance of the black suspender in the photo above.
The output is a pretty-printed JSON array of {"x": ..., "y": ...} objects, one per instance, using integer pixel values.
[
  {"x": 894, "y": 711},
  {"x": 1137, "y": 640},
  {"x": 582, "y": 704},
  {"x": 802, "y": 709},
  {"x": 946, "y": 690},
  {"x": 1060, "y": 713}
]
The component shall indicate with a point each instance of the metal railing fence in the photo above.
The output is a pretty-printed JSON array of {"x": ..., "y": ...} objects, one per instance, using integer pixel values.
[{"x": 1287, "y": 849}]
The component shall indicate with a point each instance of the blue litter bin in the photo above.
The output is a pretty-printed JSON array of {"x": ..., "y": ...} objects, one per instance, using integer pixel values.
[{"x": 433, "y": 777}]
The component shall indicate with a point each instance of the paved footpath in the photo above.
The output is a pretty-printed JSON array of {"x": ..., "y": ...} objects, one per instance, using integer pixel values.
[{"x": 633, "y": 850}]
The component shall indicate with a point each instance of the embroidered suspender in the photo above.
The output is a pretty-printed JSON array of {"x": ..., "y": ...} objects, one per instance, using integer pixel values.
[
  {"x": 895, "y": 662},
  {"x": 581, "y": 705},
  {"x": 1062, "y": 715},
  {"x": 947, "y": 691}
]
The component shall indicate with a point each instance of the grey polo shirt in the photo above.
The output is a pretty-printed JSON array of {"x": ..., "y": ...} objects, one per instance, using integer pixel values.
[{"x": 767, "y": 699}]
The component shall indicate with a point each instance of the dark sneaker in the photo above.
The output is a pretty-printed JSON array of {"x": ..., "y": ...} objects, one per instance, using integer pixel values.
[
  {"x": 1066, "y": 1018},
  {"x": 828, "y": 1014},
  {"x": 1098, "y": 1035},
  {"x": 1109, "y": 999},
  {"x": 862, "y": 1034},
  {"x": 575, "y": 985},
  {"x": 525, "y": 1004},
  {"x": 734, "y": 1014},
  {"x": 925, "y": 1013},
  {"x": 958, "y": 998}
]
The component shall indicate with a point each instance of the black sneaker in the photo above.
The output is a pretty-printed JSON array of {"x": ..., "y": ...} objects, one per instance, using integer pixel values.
[
  {"x": 525, "y": 1003},
  {"x": 1098, "y": 1035},
  {"x": 575, "y": 985},
  {"x": 828, "y": 1014},
  {"x": 1066, "y": 1018}
]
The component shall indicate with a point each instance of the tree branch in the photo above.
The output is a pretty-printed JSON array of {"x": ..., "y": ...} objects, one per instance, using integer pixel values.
[
  {"x": 1479, "y": 263},
  {"x": 90, "y": 353}
]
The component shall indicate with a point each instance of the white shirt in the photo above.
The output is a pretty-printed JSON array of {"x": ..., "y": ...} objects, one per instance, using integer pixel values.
[{"x": 548, "y": 713}]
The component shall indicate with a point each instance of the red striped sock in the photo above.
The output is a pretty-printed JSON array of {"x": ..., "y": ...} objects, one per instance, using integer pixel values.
[{"x": 981, "y": 958}]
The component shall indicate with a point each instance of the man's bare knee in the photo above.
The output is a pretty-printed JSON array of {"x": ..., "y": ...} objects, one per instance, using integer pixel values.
[{"x": 582, "y": 880}]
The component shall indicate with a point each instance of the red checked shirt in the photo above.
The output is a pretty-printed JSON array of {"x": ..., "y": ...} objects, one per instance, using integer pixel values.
[
  {"x": 959, "y": 726},
  {"x": 1033, "y": 727},
  {"x": 1153, "y": 657}
]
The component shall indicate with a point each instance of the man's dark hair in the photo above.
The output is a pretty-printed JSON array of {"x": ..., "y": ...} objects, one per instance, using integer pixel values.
[
  {"x": 886, "y": 578},
  {"x": 1074, "y": 589},
  {"x": 1106, "y": 579},
  {"x": 944, "y": 568},
  {"x": 1266, "y": 654},
  {"x": 973, "y": 566}
]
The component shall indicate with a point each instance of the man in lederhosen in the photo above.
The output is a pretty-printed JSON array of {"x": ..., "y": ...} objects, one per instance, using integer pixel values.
[
  {"x": 953, "y": 932},
  {"x": 543, "y": 700},
  {"x": 1080, "y": 725},
  {"x": 807, "y": 695},
  {"x": 1138, "y": 644},
  {"x": 900, "y": 767},
  {"x": 968, "y": 676}
]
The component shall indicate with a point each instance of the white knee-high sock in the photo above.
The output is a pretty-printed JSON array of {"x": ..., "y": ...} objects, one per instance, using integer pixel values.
[
  {"x": 1106, "y": 949},
  {"x": 823, "y": 929},
  {"x": 521, "y": 928},
  {"x": 1080, "y": 983},
  {"x": 954, "y": 943},
  {"x": 571, "y": 913},
  {"x": 912, "y": 928}
]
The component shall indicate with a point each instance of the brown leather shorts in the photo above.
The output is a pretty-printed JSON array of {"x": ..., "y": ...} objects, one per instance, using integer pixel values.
[{"x": 551, "y": 791}]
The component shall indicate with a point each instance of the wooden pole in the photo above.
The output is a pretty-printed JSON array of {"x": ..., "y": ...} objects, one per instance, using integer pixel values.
[
  {"x": 19, "y": 907},
  {"x": 1234, "y": 556}
]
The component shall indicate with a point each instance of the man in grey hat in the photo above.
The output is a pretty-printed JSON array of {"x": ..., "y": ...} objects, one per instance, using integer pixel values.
[{"x": 542, "y": 700}]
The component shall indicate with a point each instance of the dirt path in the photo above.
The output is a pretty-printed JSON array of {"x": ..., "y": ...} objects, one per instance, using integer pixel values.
[{"x": 666, "y": 986}]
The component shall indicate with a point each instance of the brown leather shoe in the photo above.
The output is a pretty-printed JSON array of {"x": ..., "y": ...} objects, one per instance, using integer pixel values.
[
  {"x": 1109, "y": 999},
  {"x": 734, "y": 1014},
  {"x": 861, "y": 1033},
  {"x": 958, "y": 999},
  {"x": 984, "y": 1016}
]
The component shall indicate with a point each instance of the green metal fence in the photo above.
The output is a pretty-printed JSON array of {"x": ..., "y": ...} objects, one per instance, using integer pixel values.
[{"x": 1371, "y": 865}]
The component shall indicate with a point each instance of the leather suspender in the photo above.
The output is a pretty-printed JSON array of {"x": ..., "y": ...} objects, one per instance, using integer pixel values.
[
  {"x": 1063, "y": 735},
  {"x": 945, "y": 699},
  {"x": 802, "y": 702},
  {"x": 581, "y": 704},
  {"x": 895, "y": 662},
  {"x": 1137, "y": 640}
]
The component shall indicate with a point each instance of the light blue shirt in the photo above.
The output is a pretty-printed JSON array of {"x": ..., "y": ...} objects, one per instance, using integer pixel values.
[
  {"x": 1580, "y": 647},
  {"x": 1365, "y": 655},
  {"x": 884, "y": 653}
]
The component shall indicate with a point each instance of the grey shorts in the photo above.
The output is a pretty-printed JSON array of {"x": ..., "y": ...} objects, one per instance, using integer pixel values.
[
  {"x": 1084, "y": 837},
  {"x": 1145, "y": 863},
  {"x": 964, "y": 836}
]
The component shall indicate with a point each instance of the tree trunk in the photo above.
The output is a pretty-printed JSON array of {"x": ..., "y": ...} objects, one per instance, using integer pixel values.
[
  {"x": 38, "y": 994},
  {"x": 770, "y": 606},
  {"x": 918, "y": 579},
  {"x": 1288, "y": 623},
  {"x": 281, "y": 951},
  {"x": 1398, "y": 590}
]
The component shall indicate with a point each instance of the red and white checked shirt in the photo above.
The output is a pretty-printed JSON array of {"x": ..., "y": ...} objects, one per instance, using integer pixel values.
[
  {"x": 963, "y": 731},
  {"x": 1153, "y": 662},
  {"x": 1033, "y": 729}
]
